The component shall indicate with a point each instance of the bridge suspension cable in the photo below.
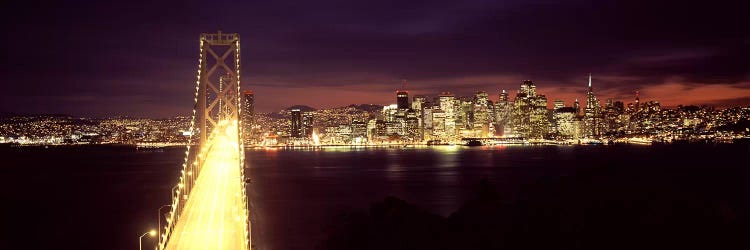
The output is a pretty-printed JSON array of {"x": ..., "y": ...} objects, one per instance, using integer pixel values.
[{"x": 213, "y": 171}]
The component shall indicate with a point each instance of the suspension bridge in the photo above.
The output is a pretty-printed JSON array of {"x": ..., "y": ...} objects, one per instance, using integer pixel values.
[{"x": 209, "y": 202}]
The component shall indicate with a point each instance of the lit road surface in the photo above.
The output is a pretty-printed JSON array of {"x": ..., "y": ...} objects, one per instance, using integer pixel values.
[{"x": 212, "y": 218}]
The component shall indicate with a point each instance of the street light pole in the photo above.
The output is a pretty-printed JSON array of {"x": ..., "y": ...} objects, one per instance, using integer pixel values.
[
  {"x": 159, "y": 223},
  {"x": 151, "y": 233}
]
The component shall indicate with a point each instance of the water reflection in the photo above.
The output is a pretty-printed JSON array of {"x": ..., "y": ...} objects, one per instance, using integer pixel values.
[
  {"x": 394, "y": 168},
  {"x": 308, "y": 188}
]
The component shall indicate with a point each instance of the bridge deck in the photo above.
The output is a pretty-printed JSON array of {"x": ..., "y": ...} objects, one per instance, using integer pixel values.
[{"x": 212, "y": 218}]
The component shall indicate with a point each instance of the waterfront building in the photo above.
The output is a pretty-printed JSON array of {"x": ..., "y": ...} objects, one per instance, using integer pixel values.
[
  {"x": 592, "y": 116},
  {"x": 412, "y": 130},
  {"x": 438, "y": 124},
  {"x": 464, "y": 113},
  {"x": 565, "y": 123},
  {"x": 296, "y": 124},
  {"x": 359, "y": 132},
  {"x": 418, "y": 104},
  {"x": 372, "y": 130},
  {"x": 481, "y": 115},
  {"x": 614, "y": 116},
  {"x": 427, "y": 122},
  {"x": 530, "y": 114},
  {"x": 503, "y": 114},
  {"x": 390, "y": 112},
  {"x": 307, "y": 125},
  {"x": 448, "y": 119}
]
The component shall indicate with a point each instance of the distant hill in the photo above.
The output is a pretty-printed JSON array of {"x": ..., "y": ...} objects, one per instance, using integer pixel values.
[
  {"x": 367, "y": 107},
  {"x": 13, "y": 114},
  {"x": 302, "y": 108}
]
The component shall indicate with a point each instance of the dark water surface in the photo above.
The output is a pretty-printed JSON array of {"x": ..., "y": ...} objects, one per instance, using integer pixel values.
[{"x": 104, "y": 197}]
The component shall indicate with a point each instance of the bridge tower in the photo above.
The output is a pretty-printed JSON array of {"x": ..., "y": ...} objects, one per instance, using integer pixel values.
[
  {"x": 216, "y": 100},
  {"x": 218, "y": 81}
]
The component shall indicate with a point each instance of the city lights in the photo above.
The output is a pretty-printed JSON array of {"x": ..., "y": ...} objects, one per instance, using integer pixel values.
[
  {"x": 521, "y": 119},
  {"x": 375, "y": 125}
]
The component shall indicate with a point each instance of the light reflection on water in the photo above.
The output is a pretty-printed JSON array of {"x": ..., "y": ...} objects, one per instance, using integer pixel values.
[{"x": 298, "y": 191}]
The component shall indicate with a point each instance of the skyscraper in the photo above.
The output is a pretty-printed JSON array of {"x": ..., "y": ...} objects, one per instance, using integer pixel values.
[
  {"x": 503, "y": 97},
  {"x": 481, "y": 114},
  {"x": 359, "y": 131},
  {"x": 418, "y": 105},
  {"x": 503, "y": 114},
  {"x": 447, "y": 103},
  {"x": 463, "y": 114},
  {"x": 248, "y": 115},
  {"x": 296, "y": 126},
  {"x": 528, "y": 88},
  {"x": 427, "y": 122},
  {"x": 564, "y": 119},
  {"x": 307, "y": 125},
  {"x": 530, "y": 112},
  {"x": 402, "y": 99},
  {"x": 412, "y": 131},
  {"x": 592, "y": 114},
  {"x": 612, "y": 116}
]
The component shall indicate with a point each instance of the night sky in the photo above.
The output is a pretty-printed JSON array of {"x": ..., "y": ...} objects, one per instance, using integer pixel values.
[{"x": 139, "y": 58}]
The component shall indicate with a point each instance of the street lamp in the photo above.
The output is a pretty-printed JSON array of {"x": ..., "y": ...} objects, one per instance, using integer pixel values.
[
  {"x": 151, "y": 233},
  {"x": 159, "y": 222}
]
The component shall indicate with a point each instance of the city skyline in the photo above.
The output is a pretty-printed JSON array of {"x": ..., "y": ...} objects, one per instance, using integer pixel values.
[
  {"x": 568, "y": 99},
  {"x": 515, "y": 115},
  {"x": 690, "y": 53},
  {"x": 375, "y": 124}
]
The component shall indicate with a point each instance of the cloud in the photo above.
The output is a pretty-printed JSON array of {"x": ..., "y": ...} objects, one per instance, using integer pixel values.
[{"x": 126, "y": 52}]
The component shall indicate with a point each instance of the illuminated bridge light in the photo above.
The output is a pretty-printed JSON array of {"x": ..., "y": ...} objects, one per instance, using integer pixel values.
[
  {"x": 212, "y": 216},
  {"x": 209, "y": 209}
]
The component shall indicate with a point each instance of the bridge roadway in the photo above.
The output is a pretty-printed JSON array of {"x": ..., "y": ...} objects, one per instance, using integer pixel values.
[{"x": 212, "y": 218}]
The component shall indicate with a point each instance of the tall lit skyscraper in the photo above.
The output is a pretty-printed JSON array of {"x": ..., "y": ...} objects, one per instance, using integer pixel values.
[
  {"x": 418, "y": 105},
  {"x": 528, "y": 88},
  {"x": 612, "y": 116},
  {"x": 296, "y": 126},
  {"x": 503, "y": 114},
  {"x": 248, "y": 114},
  {"x": 412, "y": 130},
  {"x": 307, "y": 125},
  {"x": 592, "y": 114},
  {"x": 503, "y": 97},
  {"x": 481, "y": 98},
  {"x": 438, "y": 124},
  {"x": 530, "y": 112},
  {"x": 447, "y": 102},
  {"x": 402, "y": 99},
  {"x": 427, "y": 122},
  {"x": 564, "y": 120},
  {"x": 481, "y": 114},
  {"x": 463, "y": 113}
]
